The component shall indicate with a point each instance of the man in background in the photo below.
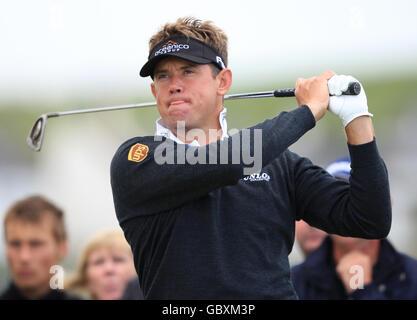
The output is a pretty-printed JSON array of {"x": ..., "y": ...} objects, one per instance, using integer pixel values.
[
  {"x": 36, "y": 240},
  {"x": 354, "y": 268}
]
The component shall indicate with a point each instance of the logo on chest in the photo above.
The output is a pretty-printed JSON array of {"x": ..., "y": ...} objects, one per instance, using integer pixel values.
[{"x": 257, "y": 177}]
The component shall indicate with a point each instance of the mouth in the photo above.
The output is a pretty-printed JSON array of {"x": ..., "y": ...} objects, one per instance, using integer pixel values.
[
  {"x": 177, "y": 103},
  {"x": 25, "y": 273}
]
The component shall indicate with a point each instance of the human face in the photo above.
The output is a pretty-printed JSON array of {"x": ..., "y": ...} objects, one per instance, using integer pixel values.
[
  {"x": 187, "y": 92},
  {"x": 108, "y": 272},
  {"x": 349, "y": 243},
  {"x": 31, "y": 251},
  {"x": 308, "y": 238}
]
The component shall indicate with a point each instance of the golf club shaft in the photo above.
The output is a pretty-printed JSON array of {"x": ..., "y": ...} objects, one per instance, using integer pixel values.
[
  {"x": 36, "y": 134},
  {"x": 151, "y": 104},
  {"x": 353, "y": 89}
]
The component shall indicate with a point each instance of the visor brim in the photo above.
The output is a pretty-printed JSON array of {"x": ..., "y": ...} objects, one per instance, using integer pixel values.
[{"x": 148, "y": 67}]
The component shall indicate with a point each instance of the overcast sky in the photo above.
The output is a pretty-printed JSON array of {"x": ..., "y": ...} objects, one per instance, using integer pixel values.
[{"x": 50, "y": 45}]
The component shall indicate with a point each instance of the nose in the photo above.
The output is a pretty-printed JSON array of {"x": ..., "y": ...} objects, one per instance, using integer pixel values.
[
  {"x": 25, "y": 254},
  {"x": 109, "y": 268},
  {"x": 176, "y": 85}
]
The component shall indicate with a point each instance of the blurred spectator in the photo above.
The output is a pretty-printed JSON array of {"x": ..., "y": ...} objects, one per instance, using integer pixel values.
[
  {"x": 36, "y": 240},
  {"x": 105, "y": 267},
  {"x": 308, "y": 237},
  {"x": 354, "y": 268}
]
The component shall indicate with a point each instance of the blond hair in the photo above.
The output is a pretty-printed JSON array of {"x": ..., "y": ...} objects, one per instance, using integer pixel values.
[
  {"x": 108, "y": 239},
  {"x": 190, "y": 27}
]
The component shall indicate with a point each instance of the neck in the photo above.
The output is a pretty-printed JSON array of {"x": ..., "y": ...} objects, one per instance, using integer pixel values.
[
  {"x": 210, "y": 132},
  {"x": 368, "y": 247},
  {"x": 35, "y": 293},
  {"x": 203, "y": 136}
]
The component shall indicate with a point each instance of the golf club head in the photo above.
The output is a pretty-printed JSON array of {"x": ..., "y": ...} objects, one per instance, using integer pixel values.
[{"x": 36, "y": 134}]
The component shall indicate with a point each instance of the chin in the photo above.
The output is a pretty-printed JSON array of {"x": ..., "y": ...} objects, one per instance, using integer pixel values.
[
  {"x": 28, "y": 285},
  {"x": 176, "y": 116},
  {"x": 111, "y": 296}
]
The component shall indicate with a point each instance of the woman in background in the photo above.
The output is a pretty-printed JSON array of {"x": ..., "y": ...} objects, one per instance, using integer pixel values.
[{"x": 105, "y": 267}]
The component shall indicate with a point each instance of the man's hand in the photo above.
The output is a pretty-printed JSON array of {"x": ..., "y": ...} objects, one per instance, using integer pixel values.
[
  {"x": 354, "y": 258},
  {"x": 352, "y": 110},
  {"x": 346, "y": 107},
  {"x": 314, "y": 93}
]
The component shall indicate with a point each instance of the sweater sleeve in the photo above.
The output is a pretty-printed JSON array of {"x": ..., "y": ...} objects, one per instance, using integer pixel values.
[
  {"x": 158, "y": 178},
  {"x": 360, "y": 208}
]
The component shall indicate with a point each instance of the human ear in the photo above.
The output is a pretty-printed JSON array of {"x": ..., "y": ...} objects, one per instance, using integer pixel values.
[
  {"x": 153, "y": 89},
  {"x": 225, "y": 81}
]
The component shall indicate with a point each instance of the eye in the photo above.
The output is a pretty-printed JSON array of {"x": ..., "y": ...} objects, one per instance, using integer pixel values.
[
  {"x": 189, "y": 71},
  {"x": 98, "y": 261},
  {"x": 14, "y": 244},
  {"x": 119, "y": 259},
  {"x": 36, "y": 243},
  {"x": 161, "y": 76}
]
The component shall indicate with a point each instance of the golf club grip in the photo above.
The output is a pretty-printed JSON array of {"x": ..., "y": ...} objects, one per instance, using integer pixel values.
[{"x": 353, "y": 89}]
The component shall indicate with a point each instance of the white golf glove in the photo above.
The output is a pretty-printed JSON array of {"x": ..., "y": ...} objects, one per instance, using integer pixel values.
[{"x": 346, "y": 107}]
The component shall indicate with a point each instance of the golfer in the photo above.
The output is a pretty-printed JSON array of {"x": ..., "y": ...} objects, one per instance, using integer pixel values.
[{"x": 203, "y": 225}]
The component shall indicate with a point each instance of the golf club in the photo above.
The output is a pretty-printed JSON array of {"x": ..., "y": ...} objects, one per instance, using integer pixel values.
[{"x": 37, "y": 133}]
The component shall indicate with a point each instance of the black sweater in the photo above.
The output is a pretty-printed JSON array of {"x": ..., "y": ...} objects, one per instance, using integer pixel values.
[
  {"x": 205, "y": 231},
  {"x": 13, "y": 293}
]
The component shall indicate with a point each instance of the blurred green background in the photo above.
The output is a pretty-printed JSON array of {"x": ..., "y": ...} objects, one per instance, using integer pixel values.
[{"x": 80, "y": 54}]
